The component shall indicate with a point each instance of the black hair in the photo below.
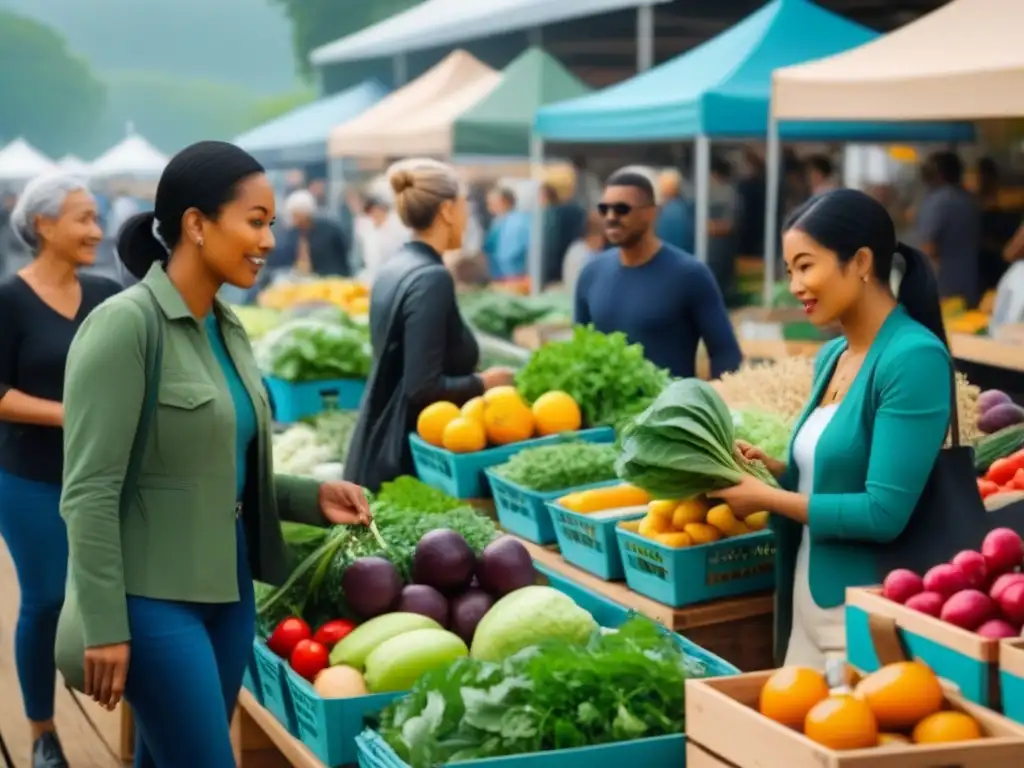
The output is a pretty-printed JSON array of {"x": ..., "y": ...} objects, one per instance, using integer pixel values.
[
  {"x": 635, "y": 179},
  {"x": 203, "y": 176},
  {"x": 948, "y": 166},
  {"x": 721, "y": 167},
  {"x": 846, "y": 220},
  {"x": 987, "y": 167},
  {"x": 821, "y": 164}
]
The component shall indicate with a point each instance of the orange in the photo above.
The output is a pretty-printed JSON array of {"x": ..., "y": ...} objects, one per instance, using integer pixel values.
[
  {"x": 474, "y": 409},
  {"x": 946, "y": 727},
  {"x": 556, "y": 412},
  {"x": 790, "y": 693},
  {"x": 464, "y": 435},
  {"x": 502, "y": 394},
  {"x": 508, "y": 421},
  {"x": 901, "y": 694},
  {"x": 842, "y": 721},
  {"x": 433, "y": 419}
]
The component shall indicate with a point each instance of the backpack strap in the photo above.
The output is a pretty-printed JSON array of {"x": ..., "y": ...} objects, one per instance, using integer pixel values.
[{"x": 154, "y": 368}]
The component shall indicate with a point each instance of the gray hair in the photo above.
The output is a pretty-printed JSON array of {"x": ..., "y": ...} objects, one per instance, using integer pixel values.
[
  {"x": 43, "y": 196},
  {"x": 301, "y": 201}
]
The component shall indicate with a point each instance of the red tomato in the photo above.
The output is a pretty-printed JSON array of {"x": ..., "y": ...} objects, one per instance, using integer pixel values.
[
  {"x": 287, "y": 635},
  {"x": 1017, "y": 484},
  {"x": 309, "y": 659},
  {"x": 1002, "y": 471},
  {"x": 333, "y": 632},
  {"x": 986, "y": 488}
]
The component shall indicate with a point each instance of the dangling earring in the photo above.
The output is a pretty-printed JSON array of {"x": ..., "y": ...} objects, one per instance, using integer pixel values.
[
  {"x": 199, "y": 242},
  {"x": 863, "y": 277}
]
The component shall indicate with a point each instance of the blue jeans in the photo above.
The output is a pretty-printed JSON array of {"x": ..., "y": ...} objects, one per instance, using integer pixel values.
[
  {"x": 184, "y": 674},
  {"x": 32, "y": 528}
]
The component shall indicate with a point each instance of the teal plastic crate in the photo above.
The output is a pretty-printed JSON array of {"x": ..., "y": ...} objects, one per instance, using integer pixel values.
[
  {"x": 963, "y": 658},
  {"x": 524, "y": 512},
  {"x": 590, "y": 543},
  {"x": 462, "y": 475},
  {"x": 295, "y": 401},
  {"x": 659, "y": 752},
  {"x": 678, "y": 576},
  {"x": 328, "y": 727},
  {"x": 269, "y": 675},
  {"x": 250, "y": 681},
  {"x": 1011, "y": 678}
]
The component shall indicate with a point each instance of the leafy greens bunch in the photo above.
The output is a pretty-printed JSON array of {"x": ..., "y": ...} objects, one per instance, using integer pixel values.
[
  {"x": 683, "y": 445},
  {"x": 625, "y": 684},
  {"x": 316, "y": 349},
  {"x": 560, "y": 466},
  {"x": 499, "y": 313},
  {"x": 609, "y": 377}
]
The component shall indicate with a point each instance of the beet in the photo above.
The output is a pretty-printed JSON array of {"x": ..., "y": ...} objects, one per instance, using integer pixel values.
[
  {"x": 443, "y": 560},
  {"x": 466, "y": 611},
  {"x": 424, "y": 600},
  {"x": 504, "y": 566},
  {"x": 371, "y": 586}
]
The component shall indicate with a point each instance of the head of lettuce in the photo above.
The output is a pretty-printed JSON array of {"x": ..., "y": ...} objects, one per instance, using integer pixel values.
[{"x": 683, "y": 445}]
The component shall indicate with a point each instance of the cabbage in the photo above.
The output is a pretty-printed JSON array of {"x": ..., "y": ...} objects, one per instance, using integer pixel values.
[{"x": 768, "y": 431}]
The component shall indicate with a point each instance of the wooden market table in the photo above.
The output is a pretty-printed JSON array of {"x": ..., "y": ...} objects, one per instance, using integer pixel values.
[{"x": 262, "y": 742}]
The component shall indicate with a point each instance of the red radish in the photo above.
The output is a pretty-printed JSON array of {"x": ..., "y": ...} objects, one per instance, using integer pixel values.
[
  {"x": 972, "y": 566},
  {"x": 996, "y": 629},
  {"x": 901, "y": 585},
  {"x": 333, "y": 632},
  {"x": 1003, "y": 550},
  {"x": 287, "y": 635},
  {"x": 1011, "y": 603},
  {"x": 945, "y": 579},
  {"x": 968, "y": 609},
  {"x": 309, "y": 659},
  {"x": 1000, "y": 584},
  {"x": 927, "y": 602}
]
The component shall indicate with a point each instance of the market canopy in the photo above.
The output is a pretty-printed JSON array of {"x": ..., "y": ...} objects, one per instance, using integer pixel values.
[
  {"x": 132, "y": 157},
  {"x": 417, "y": 119},
  {"x": 722, "y": 88},
  {"x": 962, "y": 61},
  {"x": 437, "y": 23},
  {"x": 500, "y": 123},
  {"x": 20, "y": 161},
  {"x": 300, "y": 136},
  {"x": 74, "y": 165}
]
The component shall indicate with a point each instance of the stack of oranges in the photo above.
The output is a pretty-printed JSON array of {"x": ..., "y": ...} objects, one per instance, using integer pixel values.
[
  {"x": 901, "y": 703},
  {"x": 498, "y": 417}
]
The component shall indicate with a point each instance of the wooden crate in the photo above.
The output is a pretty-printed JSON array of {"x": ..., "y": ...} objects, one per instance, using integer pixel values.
[{"x": 718, "y": 709}]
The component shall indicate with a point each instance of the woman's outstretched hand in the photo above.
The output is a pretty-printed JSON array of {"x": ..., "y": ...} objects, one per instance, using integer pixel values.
[{"x": 343, "y": 503}]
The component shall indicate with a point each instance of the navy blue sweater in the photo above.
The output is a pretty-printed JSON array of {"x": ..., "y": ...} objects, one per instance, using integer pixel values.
[{"x": 668, "y": 305}]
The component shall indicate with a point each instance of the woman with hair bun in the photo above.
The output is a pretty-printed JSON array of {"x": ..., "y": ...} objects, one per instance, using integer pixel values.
[
  {"x": 423, "y": 351},
  {"x": 863, "y": 449},
  {"x": 160, "y": 605},
  {"x": 41, "y": 308}
]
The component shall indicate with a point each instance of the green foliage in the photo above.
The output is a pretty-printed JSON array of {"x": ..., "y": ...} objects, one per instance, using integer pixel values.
[{"x": 35, "y": 60}]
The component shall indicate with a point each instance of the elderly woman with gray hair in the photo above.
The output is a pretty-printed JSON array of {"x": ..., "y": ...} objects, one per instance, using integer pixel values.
[{"x": 41, "y": 308}]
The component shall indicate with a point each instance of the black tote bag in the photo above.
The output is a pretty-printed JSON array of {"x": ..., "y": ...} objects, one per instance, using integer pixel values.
[{"x": 950, "y": 515}]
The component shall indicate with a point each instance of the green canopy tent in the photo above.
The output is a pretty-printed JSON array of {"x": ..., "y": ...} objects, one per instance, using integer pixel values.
[{"x": 500, "y": 123}]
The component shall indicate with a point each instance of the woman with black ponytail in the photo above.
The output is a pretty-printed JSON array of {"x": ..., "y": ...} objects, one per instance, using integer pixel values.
[
  {"x": 171, "y": 504},
  {"x": 864, "y": 447}
]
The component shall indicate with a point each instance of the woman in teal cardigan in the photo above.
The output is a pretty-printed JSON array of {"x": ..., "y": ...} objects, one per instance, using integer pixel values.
[{"x": 865, "y": 444}]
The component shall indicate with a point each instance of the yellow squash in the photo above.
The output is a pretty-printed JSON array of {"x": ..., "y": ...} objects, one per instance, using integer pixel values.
[{"x": 600, "y": 499}]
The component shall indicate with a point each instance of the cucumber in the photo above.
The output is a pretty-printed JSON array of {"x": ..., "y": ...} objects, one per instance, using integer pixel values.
[
  {"x": 998, "y": 445},
  {"x": 354, "y": 649},
  {"x": 398, "y": 663}
]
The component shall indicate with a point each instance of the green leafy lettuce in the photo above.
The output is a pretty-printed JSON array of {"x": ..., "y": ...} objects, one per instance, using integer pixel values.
[
  {"x": 316, "y": 349},
  {"x": 683, "y": 445},
  {"x": 560, "y": 466},
  {"x": 768, "y": 431}
]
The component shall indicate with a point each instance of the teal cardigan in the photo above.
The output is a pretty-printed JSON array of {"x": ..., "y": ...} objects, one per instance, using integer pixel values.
[{"x": 870, "y": 464}]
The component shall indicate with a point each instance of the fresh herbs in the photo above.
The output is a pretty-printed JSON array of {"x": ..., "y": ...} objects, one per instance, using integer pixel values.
[
  {"x": 560, "y": 466},
  {"x": 499, "y": 314},
  {"x": 317, "y": 349},
  {"x": 609, "y": 377},
  {"x": 683, "y": 445},
  {"x": 626, "y": 684}
]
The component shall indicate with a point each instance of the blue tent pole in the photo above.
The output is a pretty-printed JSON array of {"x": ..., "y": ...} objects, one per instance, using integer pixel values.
[
  {"x": 535, "y": 258},
  {"x": 701, "y": 194},
  {"x": 773, "y": 169}
]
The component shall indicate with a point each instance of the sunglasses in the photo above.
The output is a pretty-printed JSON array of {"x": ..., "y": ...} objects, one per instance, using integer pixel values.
[{"x": 619, "y": 209}]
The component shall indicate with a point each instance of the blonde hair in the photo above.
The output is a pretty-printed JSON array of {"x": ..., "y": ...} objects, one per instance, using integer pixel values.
[{"x": 420, "y": 186}]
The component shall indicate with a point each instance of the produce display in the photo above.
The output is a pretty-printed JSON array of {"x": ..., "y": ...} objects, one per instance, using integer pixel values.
[
  {"x": 316, "y": 449},
  {"x": 901, "y": 704},
  {"x": 693, "y": 522},
  {"x": 982, "y": 592},
  {"x": 351, "y": 296},
  {"x": 1000, "y": 444},
  {"x": 257, "y": 321},
  {"x": 498, "y": 417},
  {"x": 570, "y": 464},
  {"x": 1006, "y": 474},
  {"x": 621, "y": 496},
  {"x": 683, "y": 445},
  {"x": 607, "y": 376},
  {"x": 499, "y": 313},
  {"x": 325, "y": 346},
  {"x": 997, "y": 410},
  {"x": 581, "y": 688}
]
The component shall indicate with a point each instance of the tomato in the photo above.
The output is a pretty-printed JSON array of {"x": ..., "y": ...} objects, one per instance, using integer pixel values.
[
  {"x": 309, "y": 659},
  {"x": 1002, "y": 471},
  {"x": 986, "y": 487},
  {"x": 287, "y": 635},
  {"x": 333, "y": 632},
  {"x": 1017, "y": 484}
]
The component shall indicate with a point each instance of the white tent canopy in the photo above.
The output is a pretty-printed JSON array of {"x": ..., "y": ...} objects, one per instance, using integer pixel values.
[
  {"x": 73, "y": 165},
  {"x": 20, "y": 161},
  {"x": 132, "y": 157},
  {"x": 963, "y": 61}
]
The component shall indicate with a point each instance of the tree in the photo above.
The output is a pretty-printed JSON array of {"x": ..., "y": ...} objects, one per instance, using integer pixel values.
[
  {"x": 47, "y": 94},
  {"x": 318, "y": 22}
]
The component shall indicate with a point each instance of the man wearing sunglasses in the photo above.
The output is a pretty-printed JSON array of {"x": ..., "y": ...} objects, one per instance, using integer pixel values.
[{"x": 658, "y": 295}]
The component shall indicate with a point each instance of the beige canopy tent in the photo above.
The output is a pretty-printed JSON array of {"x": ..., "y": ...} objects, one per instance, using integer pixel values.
[
  {"x": 963, "y": 61},
  {"x": 417, "y": 119}
]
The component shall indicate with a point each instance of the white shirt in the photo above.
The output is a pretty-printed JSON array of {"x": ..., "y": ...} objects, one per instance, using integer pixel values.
[{"x": 378, "y": 244}]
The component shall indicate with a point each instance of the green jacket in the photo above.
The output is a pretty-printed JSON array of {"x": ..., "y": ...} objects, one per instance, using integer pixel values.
[
  {"x": 870, "y": 465},
  {"x": 177, "y": 541}
]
